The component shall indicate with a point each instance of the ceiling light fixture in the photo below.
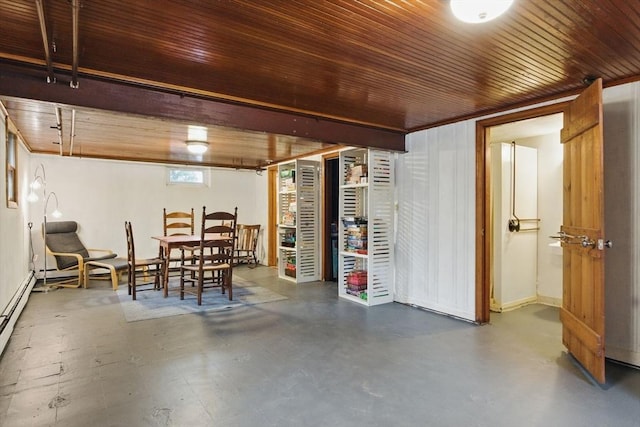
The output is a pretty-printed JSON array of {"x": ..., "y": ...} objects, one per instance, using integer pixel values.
[
  {"x": 197, "y": 147},
  {"x": 197, "y": 139},
  {"x": 479, "y": 11}
]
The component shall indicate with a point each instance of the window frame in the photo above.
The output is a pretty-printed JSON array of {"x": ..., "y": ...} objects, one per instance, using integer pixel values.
[
  {"x": 11, "y": 164},
  {"x": 205, "y": 176}
]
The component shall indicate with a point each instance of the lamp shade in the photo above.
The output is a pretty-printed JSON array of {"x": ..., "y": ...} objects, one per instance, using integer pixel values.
[
  {"x": 32, "y": 197},
  {"x": 56, "y": 213},
  {"x": 197, "y": 147},
  {"x": 478, "y": 11}
]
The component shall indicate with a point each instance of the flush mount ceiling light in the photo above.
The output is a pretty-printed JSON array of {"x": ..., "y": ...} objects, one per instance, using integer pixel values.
[
  {"x": 478, "y": 11},
  {"x": 197, "y": 140},
  {"x": 197, "y": 147}
]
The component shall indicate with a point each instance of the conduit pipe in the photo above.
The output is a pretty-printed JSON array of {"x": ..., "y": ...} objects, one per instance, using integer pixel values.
[
  {"x": 59, "y": 126},
  {"x": 73, "y": 131},
  {"x": 51, "y": 78},
  {"x": 75, "y": 16},
  {"x": 514, "y": 223}
]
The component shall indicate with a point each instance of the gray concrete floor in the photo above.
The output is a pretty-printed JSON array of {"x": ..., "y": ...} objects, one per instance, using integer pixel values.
[{"x": 311, "y": 360}]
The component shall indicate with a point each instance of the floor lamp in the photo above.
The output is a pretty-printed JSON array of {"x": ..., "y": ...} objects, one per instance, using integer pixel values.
[{"x": 40, "y": 181}]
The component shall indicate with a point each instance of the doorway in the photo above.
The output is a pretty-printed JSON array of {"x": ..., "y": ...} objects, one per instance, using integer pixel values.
[
  {"x": 331, "y": 166},
  {"x": 484, "y": 220},
  {"x": 526, "y": 209}
]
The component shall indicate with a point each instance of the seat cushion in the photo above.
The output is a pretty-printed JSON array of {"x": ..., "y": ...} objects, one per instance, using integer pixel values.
[
  {"x": 117, "y": 264},
  {"x": 62, "y": 237},
  {"x": 68, "y": 243}
]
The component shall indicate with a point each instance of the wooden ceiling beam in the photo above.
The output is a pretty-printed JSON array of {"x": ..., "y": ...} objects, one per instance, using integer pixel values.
[{"x": 23, "y": 81}]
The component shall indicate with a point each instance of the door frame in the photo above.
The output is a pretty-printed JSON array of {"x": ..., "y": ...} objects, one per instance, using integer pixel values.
[
  {"x": 272, "y": 215},
  {"x": 326, "y": 204},
  {"x": 484, "y": 226}
]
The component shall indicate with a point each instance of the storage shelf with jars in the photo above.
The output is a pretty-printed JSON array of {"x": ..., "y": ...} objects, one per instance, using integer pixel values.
[
  {"x": 298, "y": 221},
  {"x": 365, "y": 235}
]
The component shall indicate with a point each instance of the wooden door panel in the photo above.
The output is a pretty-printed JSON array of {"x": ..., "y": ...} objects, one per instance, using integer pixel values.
[{"x": 582, "y": 312}]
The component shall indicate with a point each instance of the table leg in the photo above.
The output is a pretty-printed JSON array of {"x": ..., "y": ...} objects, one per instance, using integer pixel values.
[{"x": 165, "y": 251}]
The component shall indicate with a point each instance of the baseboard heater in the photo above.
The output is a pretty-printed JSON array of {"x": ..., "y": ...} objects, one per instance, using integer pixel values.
[{"x": 12, "y": 312}]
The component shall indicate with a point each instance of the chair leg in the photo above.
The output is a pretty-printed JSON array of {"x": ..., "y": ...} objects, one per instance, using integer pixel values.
[
  {"x": 229, "y": 284},
  {"x": 181, "y": 284},
  {"x": 114, "y": 279},
  {"x": 200, "y": 288},
  {"x": 80, "y": 276},
  {"x": 86, "y": 278},
  {"x": 133, "y": 285},
  {"x": 121, "y": 276},
  {"x": 156, "y": 281}
]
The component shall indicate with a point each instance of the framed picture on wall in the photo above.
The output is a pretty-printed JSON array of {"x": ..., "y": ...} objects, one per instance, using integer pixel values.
[{"x": 11, "y": 156}]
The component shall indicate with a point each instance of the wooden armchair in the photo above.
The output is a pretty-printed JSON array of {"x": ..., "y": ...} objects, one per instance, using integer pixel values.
[
  {"x": 247, "y": 242},
  {"x": 63, "y": 243}
]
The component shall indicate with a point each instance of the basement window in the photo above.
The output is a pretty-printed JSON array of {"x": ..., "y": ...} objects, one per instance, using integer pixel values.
[{"x": 188, "y": 176}]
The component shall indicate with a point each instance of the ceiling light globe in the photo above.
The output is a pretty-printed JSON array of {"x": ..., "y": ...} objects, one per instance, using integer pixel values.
[
  {"x": 479, "y": 11},
  {"x": 197, "y": 147}
]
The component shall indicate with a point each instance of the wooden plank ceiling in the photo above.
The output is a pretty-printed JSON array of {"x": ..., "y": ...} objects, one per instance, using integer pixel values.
[{"x": 277, "y": 79}]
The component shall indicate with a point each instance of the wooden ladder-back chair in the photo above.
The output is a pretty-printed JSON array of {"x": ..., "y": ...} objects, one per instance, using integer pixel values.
[
  {"x": 215, "y": 255},
  {"x": 247, "y": 242},
  {"x": 177, "y": 223},
  {"x": 139, "y": 268}
]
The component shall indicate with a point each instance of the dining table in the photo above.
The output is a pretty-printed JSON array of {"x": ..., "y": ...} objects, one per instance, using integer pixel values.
[{"x": 167, "y": 243}]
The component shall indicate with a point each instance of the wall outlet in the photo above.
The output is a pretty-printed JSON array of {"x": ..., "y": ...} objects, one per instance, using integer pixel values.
[{"x": 35, "y": 257}]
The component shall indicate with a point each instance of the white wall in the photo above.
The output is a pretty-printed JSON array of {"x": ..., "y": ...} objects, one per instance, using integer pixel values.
[
  {"x": 550, "y": 155},
  {"x": 100, "y": 195},
  {"x": 622, "y": 222},
  {"x": 14, "y": 244},
  {"x": 435, "y": 242},
  {"x": 515, "y": 254}
]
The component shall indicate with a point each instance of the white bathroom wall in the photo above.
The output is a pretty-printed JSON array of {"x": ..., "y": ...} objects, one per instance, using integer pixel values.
[
  {"x": 100, "y": 195},
  {"x": 515, "y": 254},
  {"x": 550, "y": 155}
]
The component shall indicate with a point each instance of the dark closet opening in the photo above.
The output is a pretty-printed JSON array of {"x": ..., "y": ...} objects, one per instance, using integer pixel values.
[{"x": 331, "y": 194}]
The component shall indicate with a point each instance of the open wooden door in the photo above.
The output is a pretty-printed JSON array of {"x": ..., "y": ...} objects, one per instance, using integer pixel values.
[{"x": 582, "y": 232}]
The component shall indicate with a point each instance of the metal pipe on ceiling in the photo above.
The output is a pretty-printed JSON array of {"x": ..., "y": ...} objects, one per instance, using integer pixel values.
[
  {"x": 51, "y": 78},
  {"x": 73, "y": 131},
  {"x": 59, "y": 127},
  {"x": 75, "y": 14}
]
